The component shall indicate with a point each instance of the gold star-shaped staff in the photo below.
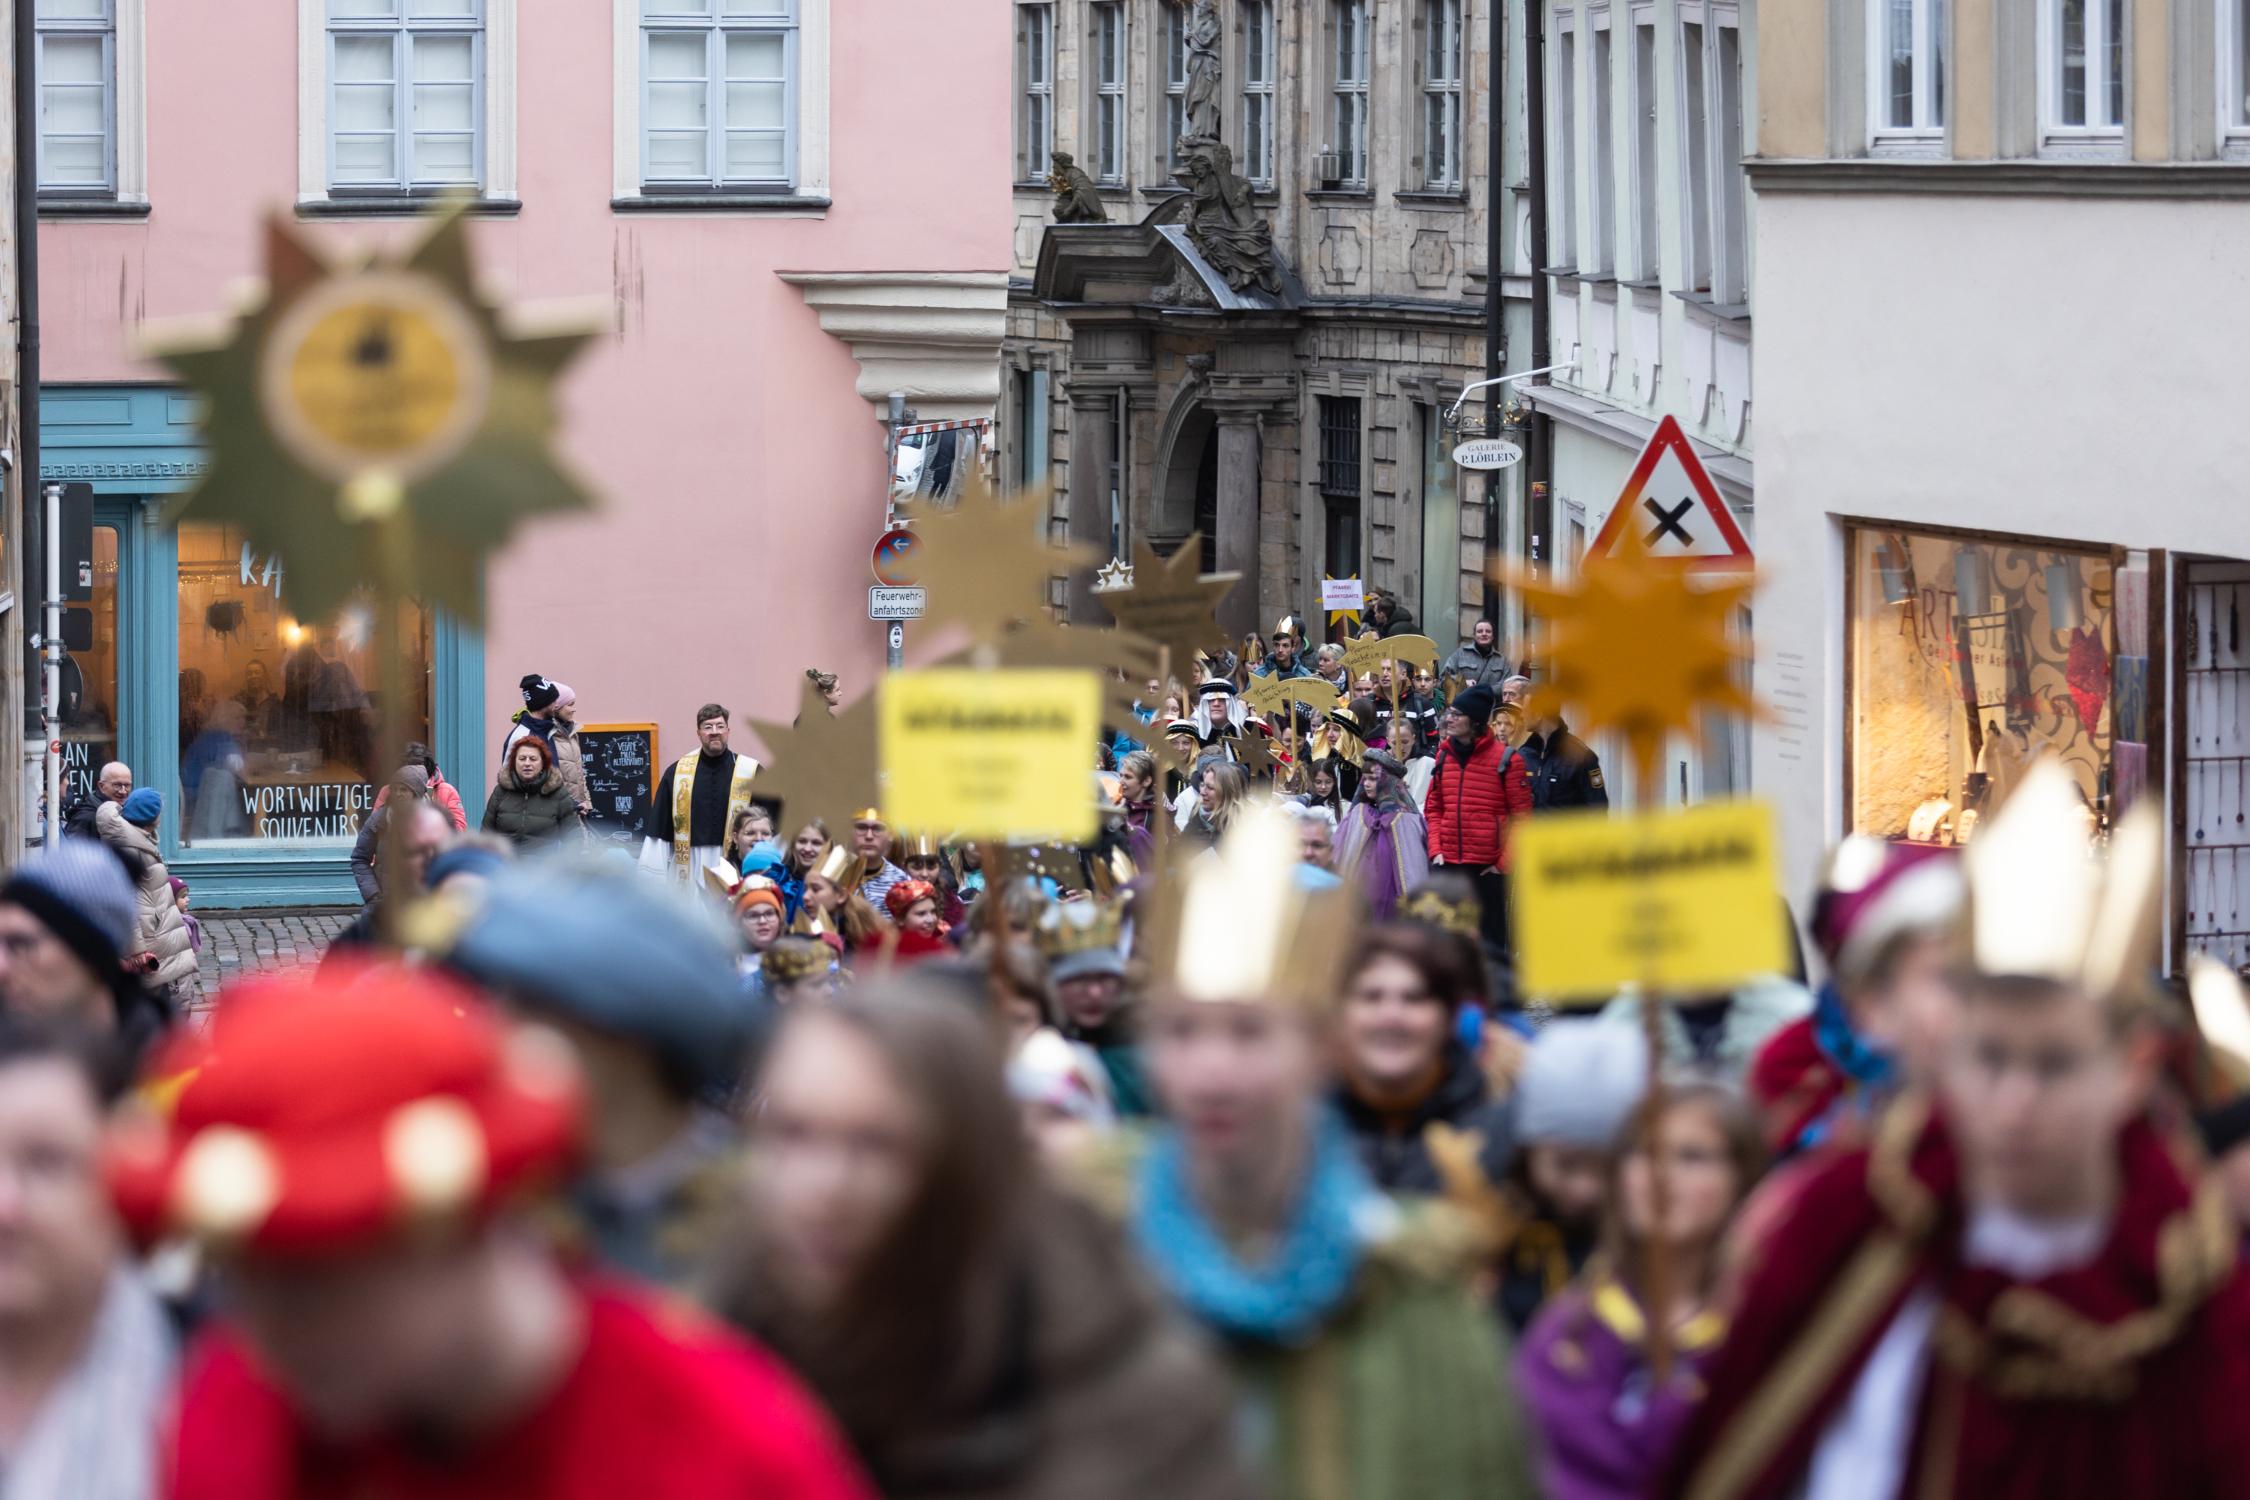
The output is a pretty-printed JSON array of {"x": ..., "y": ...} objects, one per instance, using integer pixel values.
[
  {"x": 986, "y": 561},
  {"x": 1635, "y": 647},
  {"x": 822, "y": 765},
  {"x": 376, "y": 422},
  {"x": 1171, "y": 602}
]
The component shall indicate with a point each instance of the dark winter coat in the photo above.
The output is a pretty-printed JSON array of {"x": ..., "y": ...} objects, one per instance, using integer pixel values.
[
  {"x": 538, "y": 814},
  {"x": 1473, "y": 800},
  {"x": 1395, "y": 1148},
  {"x": 1565, "y": 771}
]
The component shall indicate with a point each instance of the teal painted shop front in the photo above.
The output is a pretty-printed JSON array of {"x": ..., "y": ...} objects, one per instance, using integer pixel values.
[{"x": 269, "y": 769}]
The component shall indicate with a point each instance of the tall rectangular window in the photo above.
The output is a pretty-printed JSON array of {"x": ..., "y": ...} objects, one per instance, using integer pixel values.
[
  {"x": 1035, "y": 89},
  {"x": 1261, "y": 55},
  {"x": 1442, "y": 69},
  {"x": 718, "y": 93},
  {"x": 405, "y": 94},
  {"x": 1175, "y": 113},
  {"x": 1730, "y": 184},
  {"x": 2234, "y": 70},
  {"x": 1348, "y": 90},
  {"x": 1646, "y": 256},
  {"x": 1562, "y": 142},
  {"x": 1339, "y": 478},
  {"x": 2082, "y": 71},
  {"x": 77, "y": 97},
  {"x": 1602, "y": 172},
  {"x": 1106, "y": 108},
  {"x": 1907, "y": 48},
  {"x": 1695, "y": 145}
]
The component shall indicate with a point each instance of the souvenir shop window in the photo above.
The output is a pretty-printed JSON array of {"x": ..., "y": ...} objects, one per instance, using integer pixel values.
[
  {"x": 278, "y": 716},
  {"x": 1969, "y": 658}
]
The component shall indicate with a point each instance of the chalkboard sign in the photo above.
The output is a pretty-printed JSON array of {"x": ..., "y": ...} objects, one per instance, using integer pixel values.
[{"x": 621, "y": 772}]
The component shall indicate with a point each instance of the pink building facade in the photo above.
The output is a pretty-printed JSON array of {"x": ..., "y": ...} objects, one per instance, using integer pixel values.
[{"x": 790, "y": 208}]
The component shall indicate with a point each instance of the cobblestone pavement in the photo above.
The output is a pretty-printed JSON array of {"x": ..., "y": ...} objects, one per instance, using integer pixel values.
[{"x": 237, "y": 944}]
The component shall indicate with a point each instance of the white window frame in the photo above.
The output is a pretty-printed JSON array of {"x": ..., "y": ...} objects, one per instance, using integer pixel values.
[
  {"x": 807, "y": 113},
  {"x": 404, "y": 28},
  {"x": 1444, "y": 64},
  {"x": 1349, "y": 89},
  {"x": 1601, "y": 118},
  {"x": 1171, "y": 67},
  {"x": 495, "y": 69},
  {"x": 1929, "y": 24},
  {"x": 2234, "y": 77},
  {"x": 1261, "y": 63},
  {"x": 124, "y": 31},
  {"x": 2106, "y": 20},
  {"x": 1035, "y": 89},
  {"x": 1716, "y": 192},
  {"x": 1562, "y": 137},
  {"x": 675, "y": 17},
  {"x": 1108, "y": 68},
  {"x": 1645, "y": 144}
]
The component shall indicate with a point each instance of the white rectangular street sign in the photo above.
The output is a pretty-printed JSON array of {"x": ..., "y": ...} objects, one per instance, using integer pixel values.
[{"x": 895, "y": 604}]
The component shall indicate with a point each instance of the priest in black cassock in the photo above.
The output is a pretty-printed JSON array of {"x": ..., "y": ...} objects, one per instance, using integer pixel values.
[{"x": 697, "y": 801}]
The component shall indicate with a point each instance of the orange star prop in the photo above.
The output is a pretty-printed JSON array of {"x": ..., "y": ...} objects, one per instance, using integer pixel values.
[
  {"x": 1636, "y": 647},
  {"x": 1170, "y": 602}
]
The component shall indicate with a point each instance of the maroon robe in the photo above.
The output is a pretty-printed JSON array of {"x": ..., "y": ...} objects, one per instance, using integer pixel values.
[{"x": 2127, "y": 1376}]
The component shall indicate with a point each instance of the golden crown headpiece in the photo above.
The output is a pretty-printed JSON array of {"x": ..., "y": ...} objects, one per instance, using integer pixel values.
[
  {"x": 839, "y": 866},
  {"x": 1433, "y": 910},
  {"x": 1242, "y": 925},
  {"x": 2044, "y": 905},
  {"x": 1078, "y": 927},
  {"x": 1289, "y": 625},
  {"x": 922, "y": 846}
]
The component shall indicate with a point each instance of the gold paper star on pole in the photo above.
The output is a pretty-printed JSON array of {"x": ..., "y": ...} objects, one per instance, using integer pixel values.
[
  {"x": 352, "y": 396},
  {"x": 823, "y": 765},
  {"x": 1638, "y": 648},
  {"x": 986, "y": 561},
  {"x": 1170, "y": 602}
]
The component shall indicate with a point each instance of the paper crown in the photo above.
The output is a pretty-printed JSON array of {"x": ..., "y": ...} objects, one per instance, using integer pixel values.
[
  {"x": 868, "y": 815},
  {"x": 1288, "y": 625},
  {"x": 1241, "y": 926},
  {"x": 1433, "y": 910},
  {"x": 1067, "y": 927},
  {"x": 922, "y": 846},
  {"x": 2043, "y": 906},
  {"x": 795, "y": 958},
  {"x": 838, "y": 866}
]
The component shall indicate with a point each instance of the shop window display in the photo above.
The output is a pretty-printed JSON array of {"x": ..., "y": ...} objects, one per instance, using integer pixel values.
[
  {"x": 1970, "y": 658},
  {"x": 278, "y": 716}
]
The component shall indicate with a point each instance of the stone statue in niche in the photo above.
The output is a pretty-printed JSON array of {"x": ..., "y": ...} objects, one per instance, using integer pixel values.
[
  {"x": 1222, "y": 223},
  {"x": 1202, "y": 67},
  {"x": 1076, "y": 202}
]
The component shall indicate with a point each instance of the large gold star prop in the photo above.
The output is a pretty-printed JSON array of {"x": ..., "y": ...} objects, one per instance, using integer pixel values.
[
  {"x": 822, "y": 765},
  {"x": 1366, "y": 655},
  {"x": 1170, "y": 602},
  {"x": 376, "y": 422},
  {"x": 1635, "y": 647},
  {"x": 986, "y": 561}
]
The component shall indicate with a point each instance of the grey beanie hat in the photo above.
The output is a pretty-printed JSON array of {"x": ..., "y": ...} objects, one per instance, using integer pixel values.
[
  {"x": 615, "y": 951},
  {"x": 1086, "y": 962},
  {"x": 1580, "y": 1082},
  {"x": 79, "y": 880}
]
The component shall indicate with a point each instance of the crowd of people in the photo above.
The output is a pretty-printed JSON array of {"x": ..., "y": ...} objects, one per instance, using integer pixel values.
[{"x": 1218, "y": 1157}]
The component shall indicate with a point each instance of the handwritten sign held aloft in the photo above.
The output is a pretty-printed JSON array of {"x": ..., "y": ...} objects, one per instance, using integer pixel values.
[{"x": 1678, "y": 903}]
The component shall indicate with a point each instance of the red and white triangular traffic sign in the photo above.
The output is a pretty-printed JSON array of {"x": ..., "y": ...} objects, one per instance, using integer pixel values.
[{"x": 1671, "y": 498}]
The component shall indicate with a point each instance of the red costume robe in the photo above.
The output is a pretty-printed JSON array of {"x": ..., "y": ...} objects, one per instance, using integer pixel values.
[
  {"x": 659, "y": 1406},
  {"x": 2126, "y": 1376}
]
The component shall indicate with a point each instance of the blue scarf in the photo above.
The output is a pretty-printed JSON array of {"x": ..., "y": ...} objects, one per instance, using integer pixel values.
[
  {"x": 1313, "y": 1267},
  {"x": 1862, "y": 1061}
]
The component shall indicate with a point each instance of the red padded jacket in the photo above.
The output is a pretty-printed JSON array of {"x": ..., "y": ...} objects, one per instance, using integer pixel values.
[{"x": 1471, "y": 804}]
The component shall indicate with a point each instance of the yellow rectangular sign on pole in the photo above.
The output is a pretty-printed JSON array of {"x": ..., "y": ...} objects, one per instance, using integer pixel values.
[
  {"x": 991, "y": 755},
  {"x": 1677, "y": 903}
]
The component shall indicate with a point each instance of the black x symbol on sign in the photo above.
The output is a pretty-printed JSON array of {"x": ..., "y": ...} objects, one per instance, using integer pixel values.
[{"x": 1668, "y": 522}]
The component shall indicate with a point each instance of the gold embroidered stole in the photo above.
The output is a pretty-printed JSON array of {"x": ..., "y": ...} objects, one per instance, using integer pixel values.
[{"x": 683, "y": 799}]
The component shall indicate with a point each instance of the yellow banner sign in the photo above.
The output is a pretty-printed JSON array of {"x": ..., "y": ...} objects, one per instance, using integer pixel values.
[
  {"x": 1677, "y": 903},
  {"x": 991, "y": 755}
]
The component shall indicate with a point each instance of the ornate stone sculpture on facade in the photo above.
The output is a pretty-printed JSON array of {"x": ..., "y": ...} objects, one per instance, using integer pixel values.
[
  {"x": 1222, "y": 223},
  {"x": 1202, "y": 67},
  {"x": 1076, "y": 202}
]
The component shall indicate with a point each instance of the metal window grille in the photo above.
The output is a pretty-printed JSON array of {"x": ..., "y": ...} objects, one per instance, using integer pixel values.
[
  {"x": 719, "y": 93},
  {"x": 77, "y": 97},
  {"x": 1339, "y": 446}
]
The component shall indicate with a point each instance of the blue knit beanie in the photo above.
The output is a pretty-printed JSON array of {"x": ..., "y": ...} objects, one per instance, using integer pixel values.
[
  {"x": 144, "y": 806},
  {"x": 79, "y": 890}
]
